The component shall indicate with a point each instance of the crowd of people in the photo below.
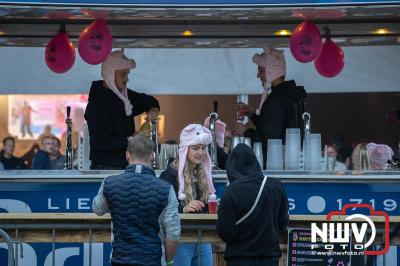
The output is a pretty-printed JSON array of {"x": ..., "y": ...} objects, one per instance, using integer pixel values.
[{"x": 45, "y": 154}]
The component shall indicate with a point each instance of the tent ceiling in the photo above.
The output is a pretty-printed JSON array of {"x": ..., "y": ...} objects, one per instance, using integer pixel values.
[{"x": 216, "y": 27}]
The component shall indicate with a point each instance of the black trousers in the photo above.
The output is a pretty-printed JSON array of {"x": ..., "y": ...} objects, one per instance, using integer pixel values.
[{"x": 252, "y": 262}]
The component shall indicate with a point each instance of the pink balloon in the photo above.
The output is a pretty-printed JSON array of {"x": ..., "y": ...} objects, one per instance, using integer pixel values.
[
  {"x": 95, "y": 42},
  {"x": 60, "y": 53},
  {"x": 330, "y": 61},
  {"x": 305, "y": 42}
]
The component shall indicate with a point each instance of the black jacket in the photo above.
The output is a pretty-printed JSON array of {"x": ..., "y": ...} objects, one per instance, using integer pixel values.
[
  {"x": 108, "y": 124},
  {"x": 171, "y": 176},
  {"x": 258, "y": 235},
  {"x": 12, "y": 163},
  {"x": 282, "y": 109}
]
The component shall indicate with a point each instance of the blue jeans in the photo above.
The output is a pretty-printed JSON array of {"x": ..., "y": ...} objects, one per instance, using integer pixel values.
[{"x": 187, "y": 255}]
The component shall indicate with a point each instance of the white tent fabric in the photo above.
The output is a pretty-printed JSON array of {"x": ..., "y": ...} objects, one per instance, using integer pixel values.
[{"x": 200, "y": 71}]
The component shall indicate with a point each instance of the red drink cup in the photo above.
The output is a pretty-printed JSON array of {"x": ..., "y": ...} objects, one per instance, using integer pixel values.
[
  {"x": 212, "y": 206},
  {"x": 241, "y": 110}
]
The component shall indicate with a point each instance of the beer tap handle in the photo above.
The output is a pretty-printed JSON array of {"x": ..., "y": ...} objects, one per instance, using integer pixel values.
[
  {"x": 215, "y": 106},
  {"x": 68, "y": 111}
]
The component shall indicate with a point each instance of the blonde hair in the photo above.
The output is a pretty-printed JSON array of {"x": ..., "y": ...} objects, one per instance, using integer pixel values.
[
  {"x": 359, "y": 157},
  {"x": 199, "y": 172}
]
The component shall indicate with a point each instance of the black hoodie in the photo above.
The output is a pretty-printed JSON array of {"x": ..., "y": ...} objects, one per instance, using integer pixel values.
[
  {"x": 258, "y": 235},
  {"x": 108, "y": 124},
  {"x": 282, "y": 109}
]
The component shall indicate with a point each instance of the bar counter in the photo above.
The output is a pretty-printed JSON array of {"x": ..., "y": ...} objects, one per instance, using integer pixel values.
[{"x": 41, "y": 208}]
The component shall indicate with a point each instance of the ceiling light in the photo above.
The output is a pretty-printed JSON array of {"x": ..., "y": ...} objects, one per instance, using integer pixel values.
[
  {"x": 187, "y": 33},
  {"x": 283, "y": 33},
  {"x": 382, "y": 31}
]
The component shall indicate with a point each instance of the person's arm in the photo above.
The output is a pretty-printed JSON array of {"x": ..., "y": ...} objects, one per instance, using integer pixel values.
[
  {"x": 283, "y": 219},
  {"x": 222, "y": 157},
  {"x": 255, "y": 119},
  {"x": 142, "y": 102},
  {"x": 226, "y": 227},
  {"x": 170, "y": 221},
  {"x": 100, "y": 204}
]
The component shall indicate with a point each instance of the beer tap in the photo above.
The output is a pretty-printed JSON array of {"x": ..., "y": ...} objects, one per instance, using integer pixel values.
[
  {"x": 213, "y": 145},
  {"x": 68, "y": 151},
  {"x": 307, "y": 123},
  {"x": 154, "y": 138}
]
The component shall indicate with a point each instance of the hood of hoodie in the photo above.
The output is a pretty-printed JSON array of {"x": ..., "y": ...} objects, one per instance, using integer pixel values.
[
  {"x": 290, "y": 89},
  {"x": 242, "y": 164},
  {"x": 98, "y": 91}
]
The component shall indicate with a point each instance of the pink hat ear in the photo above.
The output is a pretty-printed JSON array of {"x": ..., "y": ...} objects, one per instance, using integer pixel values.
[
  {"x": 259, "y": 60},
  {"x": 267, "y": 50}
]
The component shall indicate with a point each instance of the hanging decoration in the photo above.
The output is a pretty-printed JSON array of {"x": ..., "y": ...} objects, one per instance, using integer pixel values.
[
  {"x": 305, "y": 42},
  {"x": 60, "y": 52},
  {"x": 95, "y": 42}
]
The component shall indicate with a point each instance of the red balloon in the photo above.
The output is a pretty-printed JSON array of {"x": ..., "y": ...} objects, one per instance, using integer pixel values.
[
  {"x": 95, "y": 42},
  {"x": 330, "y": 61},
  {"x": 305, "y": 42},
  {"x": 60, "y": 53}
]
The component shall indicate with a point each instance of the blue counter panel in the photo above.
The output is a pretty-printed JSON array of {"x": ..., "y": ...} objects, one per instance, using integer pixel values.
[{"x": 304, "y": 198}]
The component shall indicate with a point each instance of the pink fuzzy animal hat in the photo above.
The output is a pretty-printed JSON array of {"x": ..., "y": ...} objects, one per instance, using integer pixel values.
[{"x": 194, "y": 134}]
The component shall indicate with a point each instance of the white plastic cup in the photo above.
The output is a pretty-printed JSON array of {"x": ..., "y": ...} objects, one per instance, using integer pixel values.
[
  {"x": 274, "y": 155},
  {"x": 292, "y": 149},
  {"x": 259, "y": 154}
]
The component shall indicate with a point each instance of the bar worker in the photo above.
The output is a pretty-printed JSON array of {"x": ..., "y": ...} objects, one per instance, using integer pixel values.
[
  {"x": 282, "y": 103},
  {"x": 111, "y": 110}
]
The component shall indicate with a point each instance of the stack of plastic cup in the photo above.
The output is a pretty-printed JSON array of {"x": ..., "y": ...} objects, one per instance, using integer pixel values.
[
  {"x": 236, "y": 141},
  {"x": 175, "y": 151},
  {"x": 247, "y": 141},
  {"x": 259, "y": 154},
  {"x": 164, "y": 156},
  {"x": 292, "y": 149},
  {"x": 274, "y": 155},
  {"x": 312, "y": 150}
]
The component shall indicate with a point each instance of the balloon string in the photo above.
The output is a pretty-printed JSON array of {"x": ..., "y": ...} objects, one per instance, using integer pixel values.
[
  {"x": 327, "y": 33},
  {"x": 62, "y": 28}
]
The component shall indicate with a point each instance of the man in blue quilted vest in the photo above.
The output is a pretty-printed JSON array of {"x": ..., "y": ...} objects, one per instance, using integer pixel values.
[{"x": 144, "y": 210}]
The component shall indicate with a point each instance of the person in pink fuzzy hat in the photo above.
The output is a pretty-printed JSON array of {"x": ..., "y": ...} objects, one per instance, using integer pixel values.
[
  {"x": 191, "y": 177},
  {"x": 378, "y": 156},
  {"x": 111, "y": 110},
  {"x": 282, "y": 102}
]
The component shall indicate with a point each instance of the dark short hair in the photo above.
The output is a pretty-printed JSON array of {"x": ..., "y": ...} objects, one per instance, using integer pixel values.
[
  {"x": 140, "y": 146},
  {"x": 8, "y": 138},
  {"x": 45, "y": 137}
]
